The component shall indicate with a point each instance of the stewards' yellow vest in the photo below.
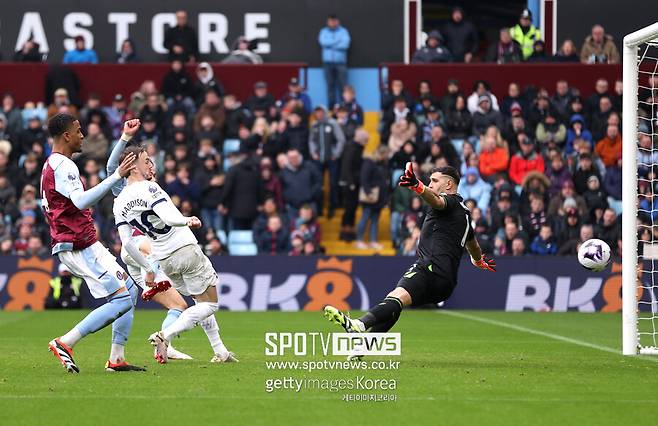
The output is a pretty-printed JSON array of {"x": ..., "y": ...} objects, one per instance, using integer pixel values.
[
  {"x": 525, "y": 40},
  {"x": 56, "y": 284}
]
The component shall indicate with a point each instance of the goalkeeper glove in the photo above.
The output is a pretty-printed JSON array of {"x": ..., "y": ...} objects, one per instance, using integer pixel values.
[
  {"x": 409, "y": 180},
  {"x": 485, "y": 263}
]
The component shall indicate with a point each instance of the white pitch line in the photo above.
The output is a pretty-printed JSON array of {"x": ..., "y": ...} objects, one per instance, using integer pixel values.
[{"x": 540, "y": 333}]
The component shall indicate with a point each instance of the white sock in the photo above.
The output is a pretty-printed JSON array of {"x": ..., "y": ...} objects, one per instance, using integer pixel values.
[
  {"x": 211, "y": 328},
  {"x": 189, "y": 318},
  {"x": 117, "y": 353},
  {"x": 71, "y": 338}
]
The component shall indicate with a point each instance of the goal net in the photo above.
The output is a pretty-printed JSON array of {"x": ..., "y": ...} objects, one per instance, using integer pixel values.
[{"x": 640, "y": 182}]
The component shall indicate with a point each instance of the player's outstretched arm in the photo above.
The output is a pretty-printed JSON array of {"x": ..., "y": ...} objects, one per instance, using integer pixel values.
[
  {"x": 478, "y": 259},
  {"x": 410, "y": 181},
  {"x": 171, "y": 216},
  {"x": 84, "y": 199},
  {"x": 130, "y": 128}
]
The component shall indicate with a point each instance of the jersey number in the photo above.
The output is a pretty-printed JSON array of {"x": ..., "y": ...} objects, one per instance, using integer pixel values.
[{"x": 147, "y": 227}]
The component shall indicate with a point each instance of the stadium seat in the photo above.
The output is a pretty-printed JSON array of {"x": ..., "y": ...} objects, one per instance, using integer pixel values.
[
  {"x": 231, "y": 145},
  {"x": 242, "y": 249},
  {"x": 227, "y": 164},
  {"x": 240, "y": 237},
  {"x": 396, "y": 176}
]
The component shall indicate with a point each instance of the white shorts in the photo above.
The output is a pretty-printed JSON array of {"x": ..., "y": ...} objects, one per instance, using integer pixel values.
[
  {"x": 137, "y": 272},
  {"x": 189, "y": 270},
  {"x": 98, "y": 267}
]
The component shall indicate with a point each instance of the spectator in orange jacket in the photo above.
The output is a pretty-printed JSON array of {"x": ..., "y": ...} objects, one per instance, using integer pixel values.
[
  {"x": 493, "y": 158},
  {"x": 609, "y": 148},
  {"x": 525, "y": 160}
]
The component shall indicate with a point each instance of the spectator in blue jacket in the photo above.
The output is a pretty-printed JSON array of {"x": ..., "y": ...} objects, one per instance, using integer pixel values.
[
  {"x": 80, "y": 55},
  {"x": 577, "y": 130},
  {"x": 335, "y": 41},
  {"x": 296, "y": 93},
  {"x": 473, "y": 187},
  {"x": 544, "y": 243}
]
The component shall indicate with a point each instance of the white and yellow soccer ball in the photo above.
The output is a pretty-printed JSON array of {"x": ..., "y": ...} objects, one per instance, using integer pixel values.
[{"x": 594, "y": 255}]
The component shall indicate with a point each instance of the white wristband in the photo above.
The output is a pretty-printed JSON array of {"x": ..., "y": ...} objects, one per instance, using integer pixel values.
[{"x": 125, "y": 137}]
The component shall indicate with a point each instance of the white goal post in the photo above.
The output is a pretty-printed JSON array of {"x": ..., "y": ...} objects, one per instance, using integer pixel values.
[{"x": 633, "y": 79}]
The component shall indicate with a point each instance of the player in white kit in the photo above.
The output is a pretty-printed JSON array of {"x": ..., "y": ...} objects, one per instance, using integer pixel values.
[{"x": 143, "y": 205}]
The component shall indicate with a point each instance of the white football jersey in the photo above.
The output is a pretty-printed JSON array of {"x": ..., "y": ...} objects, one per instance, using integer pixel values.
[{"x": 134, "y": 206}]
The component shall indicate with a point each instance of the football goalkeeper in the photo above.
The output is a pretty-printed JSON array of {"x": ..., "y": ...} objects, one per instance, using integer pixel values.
[{"x": 432, "y": 278}]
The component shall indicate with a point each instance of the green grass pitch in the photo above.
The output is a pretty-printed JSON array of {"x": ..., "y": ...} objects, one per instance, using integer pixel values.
[{"x": 515, "y": 368}]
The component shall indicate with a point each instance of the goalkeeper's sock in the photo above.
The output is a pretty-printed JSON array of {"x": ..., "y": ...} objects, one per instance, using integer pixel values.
[
  {"x": 189, "y": 318},
  {"x": 384, "y": 313},
  {"x": 211, "y": 329},
  {"x": 172, "y": 315}
]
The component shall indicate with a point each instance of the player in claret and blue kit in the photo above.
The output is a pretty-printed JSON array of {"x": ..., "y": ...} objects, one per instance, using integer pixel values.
[
  {"x": 445, "y": 233},
  {"x": 66, "y": 204}
]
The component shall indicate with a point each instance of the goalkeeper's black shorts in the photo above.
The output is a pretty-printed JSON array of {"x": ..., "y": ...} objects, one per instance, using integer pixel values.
[{"x": 425, "y": 284}]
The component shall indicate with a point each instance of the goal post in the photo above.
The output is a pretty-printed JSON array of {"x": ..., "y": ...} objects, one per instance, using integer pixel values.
[{"x": 631, "y": 344}]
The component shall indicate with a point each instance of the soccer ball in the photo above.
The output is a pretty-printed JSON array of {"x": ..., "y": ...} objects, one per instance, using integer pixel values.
[{"x": 594, "y": 255}]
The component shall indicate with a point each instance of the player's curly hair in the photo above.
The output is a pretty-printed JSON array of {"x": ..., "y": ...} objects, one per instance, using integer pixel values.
[
  {"x": 448, "y": 171},
  {"x": 60, "y": 123}
]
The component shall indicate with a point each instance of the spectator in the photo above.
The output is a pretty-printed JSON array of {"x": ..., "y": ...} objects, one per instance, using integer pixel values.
[
  {"x": 296, "y": 134},
  {"x": 506, "y": 50},
  {"x": 302, "y": 182},
  {"x": 183, "y": 186},
  {"x": 447, "y": 150},
  {"x": 355, "y": 112},
  {"x": 577, "y": 130},
  {"x": 538, "y": 52},
  {"x": 584, "y": 171},
  {"x": 149, "y": 130},
  {"x": 525, "y": 160},
  {"x": 335, "y": 41},
  {"x": 525, "y": 34},
  {"x": 541, "y": 108},
  {"x": 493, "y": 158},
  {"x": 29, "y": 52},
  {"x": 306, "y": 225},
  {"x": 481, "y": 88},
  {"x": 326, "y": 143},
  {"x": 544, "y": 243},
  {"x": 29, "y": 174},
  {"x": 80, "y": 55},
  {"x": 594, "y": 197},
  {"x": 212, "y": 107},
  {"x": 64, "y": 290},
  {"x": 600, "y": 118},
  {"x": 214, "y": 247},
  {"x": 558, "y": 174},
  {"x": 13, "y": 115},
  {"x": 513, "y": 98},
  {"x": 212, "y": 184},
  {"x": 242, "y": 52},
  {"x": 59, "y": 76},
  {"x": 608, "y": 228},
  {"x": 505, "y": 237},
  {"x": 96, "y": 145},
  {"x": 612, "y": 185},
  {"x": 350, "y": 176},
  {"x": 181, "y": 40},
  {"x": 518, "y": 247},
  {"x": 609, "y": 148},
  {"x": 243, "y": 192},
  {"x": 485, "y": 116},
  {"x": 573, "y": 235},
  {"x": 274, "y": 239},
  {"x": 562, "y": 98},
  {"x": 272, "y": 184},
  {"x": 116, "y": 115},
  {"x": 616, "y": 96},
  {"x": 514, "y": 127},
  {"x": 177, "y": 87},
  {"x": 461, "y": 38},
  {"x": 565, "y": 199},
  {"x": 433, "y": 51},
  {"x": 34, "y": 136},
  {"x": 128, "y": 54},
  {"x": 459, "y": 121},
  {"x": 346, "y": 124},
  {"x": 474, "y": 188},
  {"x": 206, "y": 81},
  {"x": 401, "y": 132},
  {"x": 550, "y": 132},
  {"x": 448, "y": 100},
  {"x": 296, "y": 93},
  {"x": 432, "y": 118},
  {"x": 399, "y": 112},
  {"x": 392, "y": 96},
  {"x": 61, "y": 99},
  {"x": 599, "y": 47},
  {"x": 236, "y": 116},
  {"x": 373, "y": 196},
  {"x": 261, "y": 99},
  {"x": 537, "y": 217},
  {"x": 400, "y": 202},
  {"x": 269, "y": 209},
  {"x": 592, "y": 103},
  {"x": 567, "y": 52}
]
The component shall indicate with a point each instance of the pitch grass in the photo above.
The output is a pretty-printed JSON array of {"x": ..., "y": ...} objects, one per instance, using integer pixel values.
[{"x": 453, "y": 370}]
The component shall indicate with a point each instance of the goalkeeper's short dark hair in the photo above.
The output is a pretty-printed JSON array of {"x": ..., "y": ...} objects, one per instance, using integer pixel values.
[
  {"x": 448, "y": 171},
  {"x": 60, "y": 123}
]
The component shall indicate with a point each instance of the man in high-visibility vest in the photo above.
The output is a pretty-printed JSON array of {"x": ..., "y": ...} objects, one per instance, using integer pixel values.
[
  {"x": 525, "y": 33},
  {"x": 64, "y": 290}
]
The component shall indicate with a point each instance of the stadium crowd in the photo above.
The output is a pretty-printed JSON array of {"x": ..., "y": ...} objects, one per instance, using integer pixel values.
[{"x": 541, "y": 167}]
